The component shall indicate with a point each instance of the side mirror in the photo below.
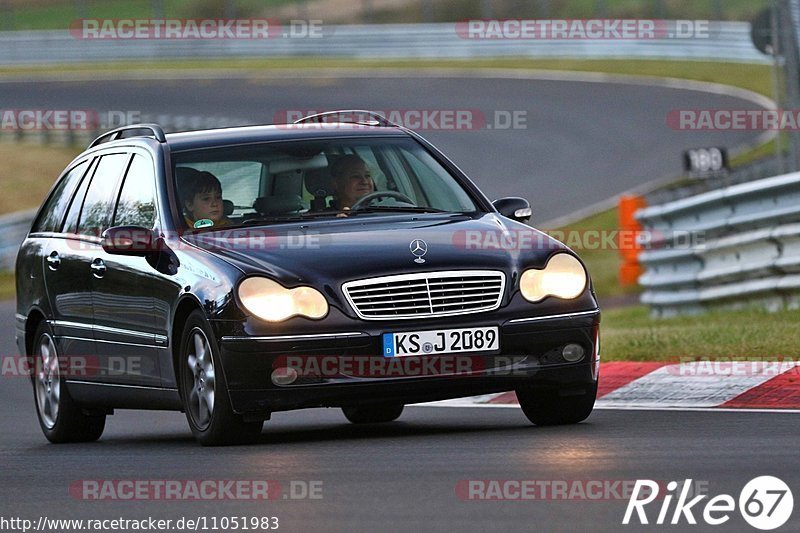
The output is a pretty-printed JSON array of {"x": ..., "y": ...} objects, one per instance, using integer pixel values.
[
  {"x": 129, "y": 240},
  {"x": 514, "y": 208}
]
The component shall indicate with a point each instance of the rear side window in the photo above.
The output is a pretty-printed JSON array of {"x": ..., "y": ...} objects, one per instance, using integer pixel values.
[
  {"x": 99, "y": 203},
  {"x": 53, "y": 212},
  {"x": 240, "y": 180},
  {"x": 137, "y": 200},
  {"x": 71, "y": 222}
]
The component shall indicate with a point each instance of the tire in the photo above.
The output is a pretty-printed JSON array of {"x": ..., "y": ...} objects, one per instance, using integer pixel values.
[
  {"x": 550, "y": 408},
  {"x": 61, "y": 419},
  {"x": 373, "y": 414},
  {"x": 204, "y": 390}
]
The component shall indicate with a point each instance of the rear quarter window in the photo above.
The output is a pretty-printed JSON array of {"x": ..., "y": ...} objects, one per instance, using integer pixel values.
[
  {"x": 137, "y": 200},
  {"x": 98, "y": 206},
  {"x": 52, "y": 213}
]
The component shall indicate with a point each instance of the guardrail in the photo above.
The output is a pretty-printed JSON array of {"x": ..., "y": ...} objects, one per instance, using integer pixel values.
[
  {"x": 727, "y": 41},
  {"x": 15, "y": 228},
  {"x": 82, "y": 137},
  {"x": 731, "y": 247}
]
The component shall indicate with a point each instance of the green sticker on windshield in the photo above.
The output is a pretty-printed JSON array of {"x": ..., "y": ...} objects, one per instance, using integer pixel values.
[{"x": 203, "y": 223}]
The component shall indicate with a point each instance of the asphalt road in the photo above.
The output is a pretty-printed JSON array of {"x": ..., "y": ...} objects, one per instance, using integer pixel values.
[
  {"x": 397, "y": 477},
  {"x": 580, "y": 142}
]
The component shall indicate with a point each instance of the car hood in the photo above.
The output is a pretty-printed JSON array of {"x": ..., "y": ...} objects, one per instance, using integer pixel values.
[{"x": 334, "y": 251}]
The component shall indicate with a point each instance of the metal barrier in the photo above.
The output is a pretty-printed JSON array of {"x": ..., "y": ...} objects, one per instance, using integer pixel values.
[
  {"x": 732, "y": 247},
  {"x": 81, "y": 138},
  {"x": 727, "y": 41},
  {"x": 15, "y": 229}
]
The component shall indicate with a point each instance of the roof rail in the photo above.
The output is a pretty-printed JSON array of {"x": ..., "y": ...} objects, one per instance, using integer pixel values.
[
  {"x": 377, "y": 118},
  {"x": 113, "y": 135}
]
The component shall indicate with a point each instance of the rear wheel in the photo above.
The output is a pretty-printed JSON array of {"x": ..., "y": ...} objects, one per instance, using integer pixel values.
[
  {"x": 204, "y": 391},
  {"x": 61, "y": 419},
  {"x": 554, "y": 407},
  {"x": 373, "y": 414}
]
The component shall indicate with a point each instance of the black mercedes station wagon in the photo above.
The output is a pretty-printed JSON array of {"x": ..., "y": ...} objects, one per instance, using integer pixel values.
[{"x": 332, "y": 262}]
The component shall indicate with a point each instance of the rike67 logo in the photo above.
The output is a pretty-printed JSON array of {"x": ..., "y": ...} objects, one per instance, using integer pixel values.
[{"x": 765, "y": 503}]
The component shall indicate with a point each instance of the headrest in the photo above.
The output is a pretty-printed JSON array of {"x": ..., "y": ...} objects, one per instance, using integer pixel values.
[
  {"x": 280, "y": 166},
  {"x": 319, "y": 182},
  {"x": 279, "y": 204},
  {"x": 184, "y": 176},
  {"x": 227, "y": 207}
]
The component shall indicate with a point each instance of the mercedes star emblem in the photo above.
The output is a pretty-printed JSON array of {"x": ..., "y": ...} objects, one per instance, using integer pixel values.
[{"x": 419, "y": 248}]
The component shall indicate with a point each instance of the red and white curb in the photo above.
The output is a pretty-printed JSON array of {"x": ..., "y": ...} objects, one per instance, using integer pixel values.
[{"x": 746, "y": 385}]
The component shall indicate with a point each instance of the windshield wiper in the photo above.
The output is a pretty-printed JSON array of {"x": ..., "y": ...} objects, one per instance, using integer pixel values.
[
  {"x": 396, "y": 209},
  {"x": 295, "y": 217}
]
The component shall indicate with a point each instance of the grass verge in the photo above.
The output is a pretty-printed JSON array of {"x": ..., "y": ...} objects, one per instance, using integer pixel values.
[
  {"x": 630, "y": 334},
  {"x": 602, "y": 260},
  {"x": 7, "y": 287},
  {"x": 58, "y": 14},
  {"x": 747, "y": 76},
  {"x": 28, "y": 172}
]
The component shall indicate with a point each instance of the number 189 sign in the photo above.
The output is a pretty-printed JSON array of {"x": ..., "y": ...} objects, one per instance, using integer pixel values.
[{"x": 706, "y": 162}]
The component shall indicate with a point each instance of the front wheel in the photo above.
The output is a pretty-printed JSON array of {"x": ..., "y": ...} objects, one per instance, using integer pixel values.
[
  {"x": 204, "y": 391},
  {"x": 61, "y": 419},
  {"x": 554, "y": 408},
  {"x": 373, "y": 414}
]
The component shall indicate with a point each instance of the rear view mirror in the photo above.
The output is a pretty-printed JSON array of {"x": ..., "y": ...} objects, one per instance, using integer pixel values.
[{"x": 514, "y": 208}]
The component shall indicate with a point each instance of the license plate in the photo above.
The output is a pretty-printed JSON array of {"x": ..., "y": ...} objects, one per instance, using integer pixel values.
[{"x": 441, "y": 341}]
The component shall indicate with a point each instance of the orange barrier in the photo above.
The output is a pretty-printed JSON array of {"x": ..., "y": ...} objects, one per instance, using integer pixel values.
[{"x": 630, "y": 269}]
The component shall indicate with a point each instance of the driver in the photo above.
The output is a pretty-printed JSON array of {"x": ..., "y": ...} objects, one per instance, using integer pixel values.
[{"x": 352, "y": 180}]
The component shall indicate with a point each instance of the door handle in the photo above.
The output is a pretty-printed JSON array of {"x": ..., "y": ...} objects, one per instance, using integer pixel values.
[
  {"x": 53, "y": 261},
  {"x": 98, "y": 268}
]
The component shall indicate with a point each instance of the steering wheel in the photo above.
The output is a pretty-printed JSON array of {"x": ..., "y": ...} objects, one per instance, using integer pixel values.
[{"x": 368, "y": 198}]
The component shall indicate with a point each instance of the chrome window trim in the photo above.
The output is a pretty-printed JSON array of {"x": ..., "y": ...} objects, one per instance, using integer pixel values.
[{"x": 425, "y": 276}]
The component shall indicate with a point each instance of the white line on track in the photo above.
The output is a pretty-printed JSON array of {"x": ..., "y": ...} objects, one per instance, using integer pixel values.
[{"x": 449, "y": 403}]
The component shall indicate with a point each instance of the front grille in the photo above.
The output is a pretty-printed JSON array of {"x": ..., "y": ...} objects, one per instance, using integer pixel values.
[{"x": 426, "y": 294}]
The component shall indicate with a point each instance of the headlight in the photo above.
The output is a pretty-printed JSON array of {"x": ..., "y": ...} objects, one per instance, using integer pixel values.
[
  {"x": 562, "y": 277},
  {"x": 271, "y": 301}
]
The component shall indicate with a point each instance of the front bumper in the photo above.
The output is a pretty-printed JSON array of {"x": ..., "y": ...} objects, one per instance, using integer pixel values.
[{"x": 347, "y": 368}]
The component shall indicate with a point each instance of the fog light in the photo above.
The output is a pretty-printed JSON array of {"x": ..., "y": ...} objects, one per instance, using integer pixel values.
[
  {"x": 284, "y": 376},
  {"x": 572, "y": 352}
]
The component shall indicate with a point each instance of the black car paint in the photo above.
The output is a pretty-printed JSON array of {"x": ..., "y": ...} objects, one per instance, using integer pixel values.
[{"x": 202, "y": 270}]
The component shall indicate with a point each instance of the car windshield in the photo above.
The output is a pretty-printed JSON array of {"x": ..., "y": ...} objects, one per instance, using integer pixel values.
[{"x": 274, "y": 182}]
